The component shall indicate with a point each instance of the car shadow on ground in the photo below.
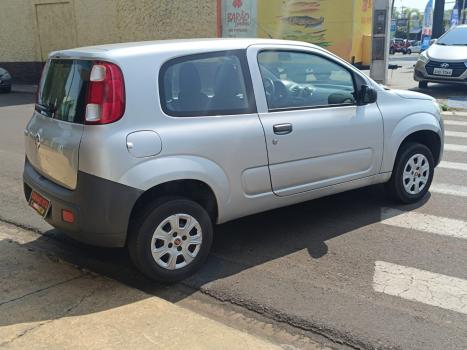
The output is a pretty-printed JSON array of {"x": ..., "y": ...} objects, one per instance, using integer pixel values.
[{"x": 240, "y": 244}]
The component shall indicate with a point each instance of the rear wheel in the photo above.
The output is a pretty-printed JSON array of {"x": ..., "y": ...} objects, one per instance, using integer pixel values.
[
  {"x": 422, "y": 84},
  {"x": 171, "y": 239},
  {"x": 412, "y": 174}
]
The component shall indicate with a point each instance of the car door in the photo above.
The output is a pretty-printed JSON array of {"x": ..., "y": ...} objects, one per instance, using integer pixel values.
[{"x": 316, "y": 134}]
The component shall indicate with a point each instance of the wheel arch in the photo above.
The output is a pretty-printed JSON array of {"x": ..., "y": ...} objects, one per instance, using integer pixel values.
[
  {"x": 196, "y": 190},
  {"x": 420, "y": 128}
]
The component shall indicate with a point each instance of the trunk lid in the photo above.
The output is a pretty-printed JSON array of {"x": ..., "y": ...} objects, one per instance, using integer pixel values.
[{"x": 54, "y": 133}]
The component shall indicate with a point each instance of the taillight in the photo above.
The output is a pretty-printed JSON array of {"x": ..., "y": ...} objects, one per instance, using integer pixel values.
[{"x": 105, "y": 100}]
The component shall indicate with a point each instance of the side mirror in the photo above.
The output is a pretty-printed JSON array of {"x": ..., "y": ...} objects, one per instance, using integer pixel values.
[{"x": 367, "y": 95}]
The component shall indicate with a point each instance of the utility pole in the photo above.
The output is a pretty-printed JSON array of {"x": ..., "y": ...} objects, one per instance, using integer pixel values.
[{"x": 438, "y": 19}]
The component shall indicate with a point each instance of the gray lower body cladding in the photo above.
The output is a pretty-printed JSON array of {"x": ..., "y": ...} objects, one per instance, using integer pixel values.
[{"x": 102, "y": 208}]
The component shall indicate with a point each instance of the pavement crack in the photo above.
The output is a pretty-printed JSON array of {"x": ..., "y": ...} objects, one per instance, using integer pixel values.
[
  {"x": 41, "y": 290},
  {"x": 65, "y": 313}
]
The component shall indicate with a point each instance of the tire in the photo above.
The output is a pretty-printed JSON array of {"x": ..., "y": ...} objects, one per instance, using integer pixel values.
[
  {"x": 401, "y": 185},
  {"x": 422, "y": 84},
  {"x": 409, "y": 52},
  {"x": 391, "y": 51},
  {"x": 162, "y": 217}
]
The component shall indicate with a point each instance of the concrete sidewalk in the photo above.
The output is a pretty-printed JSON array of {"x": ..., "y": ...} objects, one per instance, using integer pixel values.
[{"x": 49, "y": 304}]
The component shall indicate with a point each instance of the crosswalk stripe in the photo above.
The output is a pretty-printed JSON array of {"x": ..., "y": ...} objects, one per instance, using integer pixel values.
[
  {"x": 424, "y": 222},
  {"x": 453, "y": 190},
  {"x": 453, "y": 165},
  {"x": 455, "y": 148},
  {"x": 455, "y": 134},
  {"x": 455, "y": 123},
  {"x": 422, "y": 286}
]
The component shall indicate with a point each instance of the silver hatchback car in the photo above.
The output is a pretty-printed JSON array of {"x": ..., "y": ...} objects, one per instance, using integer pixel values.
[
  {"x": 445, "y": 61},
  {"x": 148, "y": 145}
]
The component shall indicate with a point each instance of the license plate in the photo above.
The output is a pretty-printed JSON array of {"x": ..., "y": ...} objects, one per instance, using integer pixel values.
[
  {"x": 442, "y": 71},
  {"x": 39, "y": 203}
]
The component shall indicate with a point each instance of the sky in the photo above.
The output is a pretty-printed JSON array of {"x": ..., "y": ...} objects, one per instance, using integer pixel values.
[{"x": 420, "y": 4}]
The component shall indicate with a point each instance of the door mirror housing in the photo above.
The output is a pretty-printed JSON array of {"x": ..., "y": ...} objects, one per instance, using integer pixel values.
[{"x": 367, "y": 95}]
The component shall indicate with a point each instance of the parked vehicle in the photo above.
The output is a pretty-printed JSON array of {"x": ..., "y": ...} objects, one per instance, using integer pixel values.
[
  {"x": 399, "y": 45},
  {"x": 5, "y": 80},
  {"x": 147, "y": 145},
  {"x": 415, "y": 48},
  {"x": 445, "y": 61}
]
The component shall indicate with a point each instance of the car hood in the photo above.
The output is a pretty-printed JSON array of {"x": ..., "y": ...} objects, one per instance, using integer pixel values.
[
  {"x": 412, "y": 95},
  {"x": 447, "y": 53}
]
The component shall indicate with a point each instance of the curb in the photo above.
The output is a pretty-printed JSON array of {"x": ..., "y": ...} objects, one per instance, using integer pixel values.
[{"x": 454, "y": 113}]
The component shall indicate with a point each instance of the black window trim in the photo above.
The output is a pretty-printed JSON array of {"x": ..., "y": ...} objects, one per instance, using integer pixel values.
[
  {"x": 240, "y": 54},
  {"x": 285, "y": 109}
]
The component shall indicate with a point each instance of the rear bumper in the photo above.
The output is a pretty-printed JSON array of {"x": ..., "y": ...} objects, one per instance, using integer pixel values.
[{"x": 102, "y": 208}]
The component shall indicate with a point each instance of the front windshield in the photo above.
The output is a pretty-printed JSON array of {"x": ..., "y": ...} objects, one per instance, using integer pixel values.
[{"x": 457, "y": 36}]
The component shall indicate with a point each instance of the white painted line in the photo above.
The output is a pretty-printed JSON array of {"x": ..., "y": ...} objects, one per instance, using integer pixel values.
[
  {"x": 455, "y": 148},
  {"x": 455, "y": 134},
  {"x": 453, "y": 165},
  {"x": 419, "y": 285},
  {"x": 424, "y": 222},
  {"x": 453, "y": 190},
  {"x": 455, "y": 123}
]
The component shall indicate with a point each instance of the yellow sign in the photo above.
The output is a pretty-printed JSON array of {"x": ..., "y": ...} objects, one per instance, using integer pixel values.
[{"x": 341, "y": 26}]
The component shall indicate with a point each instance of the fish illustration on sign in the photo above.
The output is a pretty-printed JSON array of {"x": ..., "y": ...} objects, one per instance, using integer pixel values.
[{"x": 304, "y": 21}]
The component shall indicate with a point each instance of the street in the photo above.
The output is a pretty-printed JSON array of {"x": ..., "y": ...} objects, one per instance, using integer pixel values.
[{"x": 352, "y": 270}]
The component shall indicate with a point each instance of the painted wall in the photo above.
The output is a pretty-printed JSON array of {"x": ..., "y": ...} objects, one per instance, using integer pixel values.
[{"x": 29, "y": 29}]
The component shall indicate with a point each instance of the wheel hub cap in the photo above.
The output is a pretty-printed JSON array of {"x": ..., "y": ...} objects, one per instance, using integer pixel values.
[
  {"x": 176, "y": 241},
  {"x": 416, "y": 174}
]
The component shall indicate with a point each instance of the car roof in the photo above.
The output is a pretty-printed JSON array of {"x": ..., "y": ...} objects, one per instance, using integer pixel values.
[{"x": 159, "y": 46}]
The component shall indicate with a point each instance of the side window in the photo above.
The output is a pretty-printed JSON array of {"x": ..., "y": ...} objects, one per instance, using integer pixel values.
[
  {"x": 206, "y": 84},
  {"x": 301, "y": 80}
]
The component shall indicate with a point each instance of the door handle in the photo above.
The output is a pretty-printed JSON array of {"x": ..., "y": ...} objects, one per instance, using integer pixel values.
[{"x": 282, "y": 129}]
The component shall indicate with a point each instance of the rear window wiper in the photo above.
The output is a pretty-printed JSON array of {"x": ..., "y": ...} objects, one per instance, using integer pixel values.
[{"x": 48, "y": 109}]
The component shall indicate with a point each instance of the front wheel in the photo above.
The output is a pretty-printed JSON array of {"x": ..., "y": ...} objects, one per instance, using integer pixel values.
[
  {"x": 171, "y": 239},
  {"x": 422, "y": 84},
  {"x": 412, "y": 174}
]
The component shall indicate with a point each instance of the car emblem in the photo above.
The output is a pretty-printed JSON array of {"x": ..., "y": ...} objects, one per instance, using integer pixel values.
[
  {"x": 444, "y": 65},
  {"x": 37, "y": 140}
]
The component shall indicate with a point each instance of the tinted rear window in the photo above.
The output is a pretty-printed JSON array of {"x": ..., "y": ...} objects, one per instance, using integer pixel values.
[
  {"x": 206, "y": 84},
  {"x": 62, "y": 91}
]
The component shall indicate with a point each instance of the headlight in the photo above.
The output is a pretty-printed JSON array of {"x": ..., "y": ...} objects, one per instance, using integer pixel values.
[{"x": 423, "y": 57}]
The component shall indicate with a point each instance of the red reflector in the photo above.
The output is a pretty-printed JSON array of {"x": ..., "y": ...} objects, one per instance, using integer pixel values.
[
  {"x": 68, "y": 216},
  {"x": 106, "y": 95}
]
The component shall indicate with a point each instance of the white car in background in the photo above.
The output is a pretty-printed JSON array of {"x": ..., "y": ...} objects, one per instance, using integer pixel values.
[
  {"x": 415, "y": 48},
  {"x": 445, "y": 61}
]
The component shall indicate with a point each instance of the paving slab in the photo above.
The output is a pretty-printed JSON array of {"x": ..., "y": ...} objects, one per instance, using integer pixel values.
[{"x": 48, "y": 304}]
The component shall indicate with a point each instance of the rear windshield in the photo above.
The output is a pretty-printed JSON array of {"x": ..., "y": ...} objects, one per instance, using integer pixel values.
[
  {"x": 62, "y": 91},
  {"x": 457, "y": 36}
]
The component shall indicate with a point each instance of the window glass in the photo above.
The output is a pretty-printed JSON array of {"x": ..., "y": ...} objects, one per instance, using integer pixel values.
[
  {"x": 302, "y": 80},
  {"x": 63, "y": 88},
  {"x": 456, "y": 36},
  {"x": 203, "y": 85}
]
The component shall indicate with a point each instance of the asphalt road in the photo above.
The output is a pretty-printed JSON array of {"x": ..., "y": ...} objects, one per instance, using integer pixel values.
[{"x": 353, "y": 267}]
